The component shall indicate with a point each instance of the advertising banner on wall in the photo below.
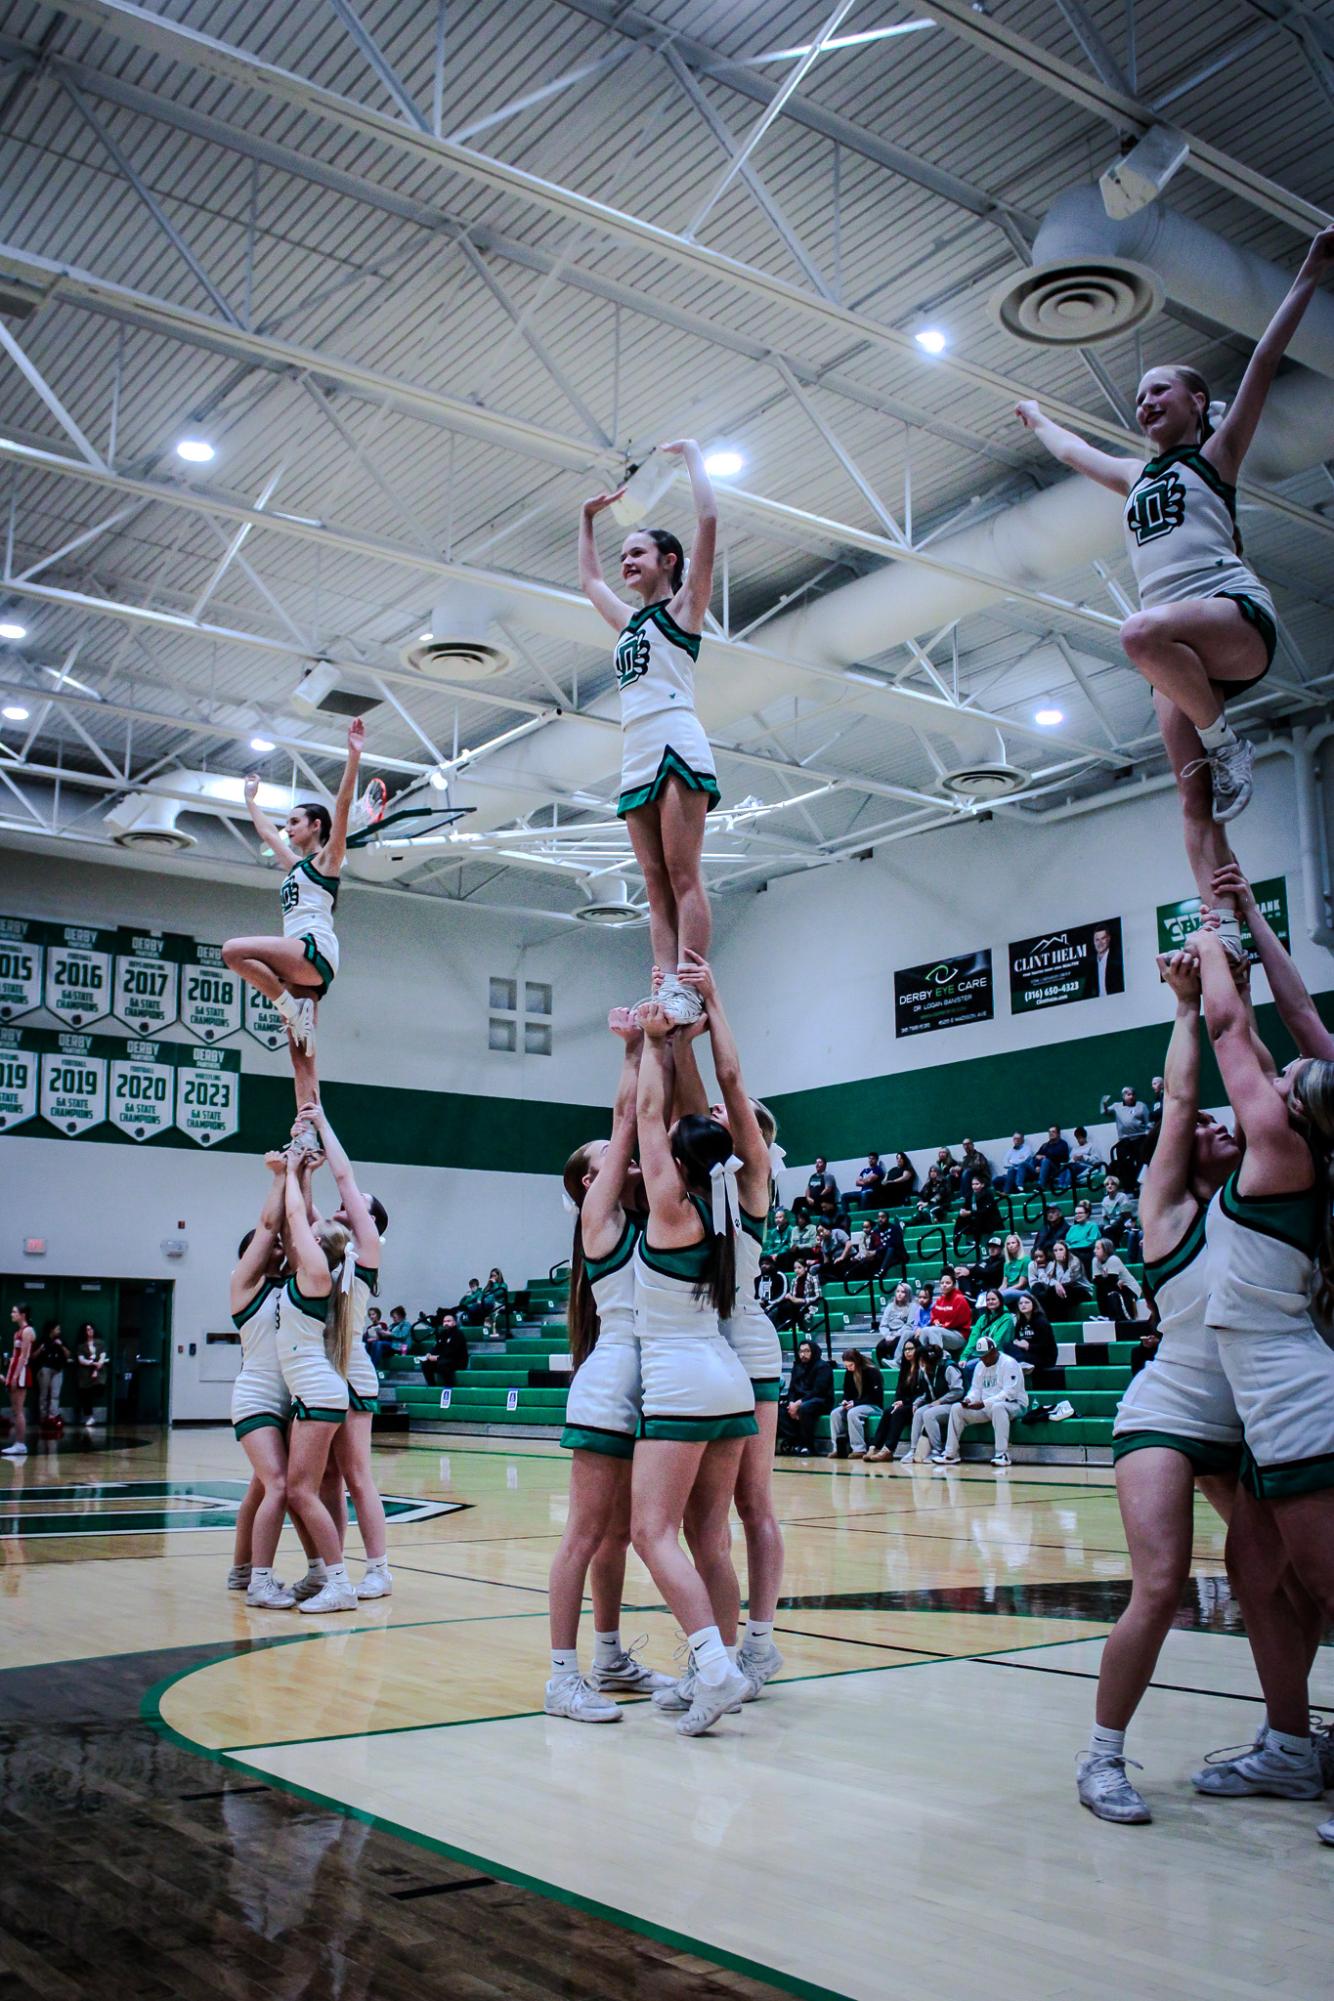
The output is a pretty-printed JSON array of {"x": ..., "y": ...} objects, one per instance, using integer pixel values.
[
  {"x": 143, "y": 1089},
  {"x": 1081, "y": 962},
  {"x": 22, "y": 962},
  {"x": 18, "y": 1079},
  {"x": 943, "y": 993},
  {"x": 74, "y": 1082},
  {"x": 210, "y": 996},
  {"x": 146, "y": 989},
  {"x": 208, "y": 1094},
  {"x": 1176, "y": 921},
  {"x": 78, "y": 974}
]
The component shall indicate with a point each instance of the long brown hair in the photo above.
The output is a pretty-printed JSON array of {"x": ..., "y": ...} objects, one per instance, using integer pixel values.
[
  {"x": 698, "y": 1145},
  {"x": 1313, "y": 1088},
  {"x": 857, "y": 1365},
  {"x": 581, "y": 1313},
  {"x": 339, "y": 1331}
]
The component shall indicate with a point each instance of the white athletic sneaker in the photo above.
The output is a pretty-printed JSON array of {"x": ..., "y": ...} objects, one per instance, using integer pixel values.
[
  {"x": 758, "y": 1664},
  {"x": 1231, "y": 769},
  {"x": 238, "y": 1577},
  {"x": 676, "y": 1698},
  {"x": 15, "y": 1451},
  {"x": 307, "y": 1586},
  {"x": 570, "y": 1695},
  {"x": 1105, "y": 1790},
  {"x": 1261, "y": 1770},
  {"x": 303, "y": 1031},
  {"x": 377, "y": 1581},
  {"x": 1326, "y": 1832},
  {"x": 712, "y": 1700},
  {"x": 1000, "y": 1458},
  {"x": 629, "y": 1674},
  {"x": 1061, "y": 1411},
  {"x": 330, "y": 1597},
  {"x": 273, "y": 1596}
]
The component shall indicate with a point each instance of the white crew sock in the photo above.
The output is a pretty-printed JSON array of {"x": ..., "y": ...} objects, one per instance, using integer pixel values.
[
  {"x": 1107, "y": 1743},
  {"x": 1216, "y": 734},
  {"x": 607, "y": 1648},
  {"x": 709, "y": 1655},
  {"x": 315, "y": 1569},
  {"x": 377, "y": 1563},
  {"x": 261, "y": 1573},
  {"x": 286, "y": 1006},
  {"x": 336, "y": 1573},
  {"x": 731, "y": 1652},
  {"x": 564, "y": 1660},
  {"x": 759, "y": 1633},
  {"x": 1278, "y": 1745}
]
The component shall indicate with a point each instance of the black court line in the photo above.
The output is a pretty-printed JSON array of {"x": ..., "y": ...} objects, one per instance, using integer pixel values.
[
  {"x": 881, "y": 1646},
  {"x": 1087, "y": 1674},
  {"x": 435, "y": 1889},
  {"x": 221, "y": 1792},
  {"x": 913, "y": 1535},
  {"x": 496, "y": 1583}
]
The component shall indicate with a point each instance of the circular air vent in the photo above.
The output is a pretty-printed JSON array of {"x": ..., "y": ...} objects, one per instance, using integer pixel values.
[
  {"x": 609, "y": 903},
  {"x": 457, "y": 659},
  {"x": 1076, "y": 302},
  {"x": 151, "y": 840},
  {"x": 984, "y": 782}
]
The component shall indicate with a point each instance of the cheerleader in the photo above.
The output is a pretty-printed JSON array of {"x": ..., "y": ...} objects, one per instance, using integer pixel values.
[
  {"x": 299, "y": 968},
  {"x": 1270, "y": 1237},
  {"x": 1206, "y": 628},
  {"x": 261, "y": 1405},
  {"x": 699, "y": 1407},
  {"x": 604, "y": 1187},
  {"x": 17, "y": 1378},
  {"x": 668, "y": 782}
]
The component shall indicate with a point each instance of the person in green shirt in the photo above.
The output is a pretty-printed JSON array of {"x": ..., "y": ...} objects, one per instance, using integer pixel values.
[
  {"x": 1083, "y": 1234},
  {"x": 994, "y": 1322},
  {"x": 472, "y": 1307},
  {"x": 778, "y": 1238},
  {"x": 803, "y": 1231},
  {"x": 1014, "y": 1270}
]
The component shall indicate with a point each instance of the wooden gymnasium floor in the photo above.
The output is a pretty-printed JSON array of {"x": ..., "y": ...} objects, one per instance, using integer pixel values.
[{"x": 202, "y": 1801}]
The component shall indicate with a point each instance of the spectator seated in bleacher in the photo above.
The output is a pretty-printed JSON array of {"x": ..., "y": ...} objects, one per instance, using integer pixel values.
[
  {"x": 447, "y": 1352},
  {"x": 471, "y": 1309},
  {"x": 1064, "y": 1285},
  {"x": 989, "y": 1271},
  {"x": 833, "y": 1248},
  {"x": 1082, "y": 1235},
  {"x": 1054, "y": 1161},
  {"x": 1019, "y": 1166},
  {"x": 980, "y": 1214},
  {"x": 1084, "y": 1158},
  {"x": 944, "y": 1390},
  {"x": 898, "y": 1320},
  {"x": 1156, "y": 1088},
  {"x": 778, "y": 1240},
  {"x": 996, "y": 1396},
  {"x": 1051, "y": 1231},
  {"x": 805, "y": 1231},
  {"x": 911, "y": 1389},
  {"x": 1014, "y": 1269},
  {"x": 924, "y": 1300},
  {"x": 993, "y": 1322},
  {"x": 1034, "y": 1343},
  {"x": 900, "y": 1182},
  {"x": 809, "y": 1396},
  {"x": 821, "y": 1184},
  {"x": 947, "y": 1165},
  {"x": 1132, "y": 1135},
  {"x": 970, "y": 1163},
  {"x": 893, "y": 1246},
  {"x": 496, "y": 1300},
  {"x": 933, "y": 1201},
  {"x": 771, "y": 1287},
  {"x": 863, "y": 1399},
  {"x": 834, "y": 1213},
  {"x": 378, "y": 1337},
  {"x": 803, "y": 1293},
  {"x": 951, "y": 1314},
  {"x": 868, "y": 1250},
  {"x": 1117, "y": 1217},
  {"x": 871, "y": 1182},
  {"x": 1117, "y": 1291}
]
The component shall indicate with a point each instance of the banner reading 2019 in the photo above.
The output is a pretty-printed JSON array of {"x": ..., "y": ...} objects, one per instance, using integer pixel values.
[{"x": 944, "y": 993}]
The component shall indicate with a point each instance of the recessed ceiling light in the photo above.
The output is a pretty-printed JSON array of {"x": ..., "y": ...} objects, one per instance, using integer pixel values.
[
  {"x": 932, "y": 339},
  {"x": 439, "y": 779},
  {"x": 1049, "y": 718},
  {"x": 9, "y": 629},
  {"x": 14, "y": 712},
  {"x": 262, "y": 744},
  {"x": 723, "y": 464},
  {"x": 195, "y": 451},
  {"x": 425, "y": 638}
]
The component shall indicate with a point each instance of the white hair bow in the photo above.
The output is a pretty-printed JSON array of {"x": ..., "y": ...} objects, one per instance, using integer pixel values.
[
  {"x": 726, "y": 1201},
  {"x": 571, "y": 1206},
  {"x": 777, "y": 1158},
  {"x": 348, "y": 1273},
  {"x": 1217, "y": 411}
]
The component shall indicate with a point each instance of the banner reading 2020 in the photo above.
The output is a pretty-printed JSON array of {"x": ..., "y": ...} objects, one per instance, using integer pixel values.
[
  {"x": 944, "y": 993},
  {"x": 210, "y": 996},
  {"x": 1082, "y": 962},
  {"x": 78, "y": 974},
  {"x": 208, "y": 1094},
  {"x": 22, "y": 944},
  {"x": 143, "y": 1089}
]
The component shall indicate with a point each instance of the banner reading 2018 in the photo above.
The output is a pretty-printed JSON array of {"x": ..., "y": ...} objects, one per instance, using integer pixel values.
[
  {"x": 944, "y": 993},
  {"x": 1082, "y": 962}
]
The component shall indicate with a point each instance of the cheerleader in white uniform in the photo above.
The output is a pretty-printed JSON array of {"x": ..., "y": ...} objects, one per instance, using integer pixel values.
[
  {"x": 261, "y": 1404},
  {"x": 668, "y": 781},
  {"x": 604, "y": 1186},
  {"x": 747, "y": 1329},
  {"x": 699, "y": 1407},
  {"x": 18, "y": 1376},
  {"x": 1205, "y": 629},
  {"x": 299, "y": 968},
  {"x": 1271, "y": 1243}
]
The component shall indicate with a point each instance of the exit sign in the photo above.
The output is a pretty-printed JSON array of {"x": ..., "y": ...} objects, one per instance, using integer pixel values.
[{"x": 34, "y": 1247}]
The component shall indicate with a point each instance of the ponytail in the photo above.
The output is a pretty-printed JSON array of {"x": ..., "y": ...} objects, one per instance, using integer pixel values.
[
  {"x": 669, "y": 547},
  {"x": 581, "y": 1313},
  {"x": 699, "y": 1145},
  {"x": 339, "y": 1328}
]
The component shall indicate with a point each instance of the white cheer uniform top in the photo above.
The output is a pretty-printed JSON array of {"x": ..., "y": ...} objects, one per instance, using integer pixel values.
[
  {"x": 612, "y": 1280},
  {"x": 308, "y": 899},
  {"x": 655, "y": 664},
  {"x": 666, "y": 1307},
  {"x": 1180, "y": 527},
  {"x": 257, "y": 1322},
  {"x": 1262, "y": 1251}
]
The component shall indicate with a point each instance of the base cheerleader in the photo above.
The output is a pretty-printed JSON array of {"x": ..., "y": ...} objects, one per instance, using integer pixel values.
[
  {"x": 1206, "y": 627},
  {"x": 299, "y": 968},
  {"x": 668, "y": 781},
  {"x": 18, "y": 1376},
  {"x": 604, "y": 1186},
  {"x": 261, "y": 1404},
  {"x": 699, "y": 1407}
]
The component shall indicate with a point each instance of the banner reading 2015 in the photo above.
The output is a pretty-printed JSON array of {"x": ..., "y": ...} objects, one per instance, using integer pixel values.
[
  {"x": 22, "y": 949},
  {"x": 18, "y": 1079}
]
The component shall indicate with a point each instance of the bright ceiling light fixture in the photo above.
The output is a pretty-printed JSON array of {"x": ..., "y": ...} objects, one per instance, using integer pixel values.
[
  {"x": 262, "y": 744},
  {"x": 724, "y": 464},
  {"x": 439, "y": 779},
  {"x": 14, "y": 712},
  {"x": 1049, "y": 717},
  {"x": 425, "y": 638},
  {"x": 932, "y": 340},
  {"x": 11, "y": 629},
  {"x": 195, "y": 451}
]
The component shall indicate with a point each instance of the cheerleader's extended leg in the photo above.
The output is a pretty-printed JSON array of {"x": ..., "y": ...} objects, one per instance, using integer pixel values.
[
  {"x": 1187, "y": 652},
  {"x": 282, "y": 971},
  {"x": 266, "y": 1449},
  {"x": 708, "y": 1533},
  {"x": 1207, "y": 844},
  {"x": 759, "y": 1659},
  {"x": 352, "y": 1451},
  {"x": 668, "y": 839},
  {"x": 599, "y": 1492}
]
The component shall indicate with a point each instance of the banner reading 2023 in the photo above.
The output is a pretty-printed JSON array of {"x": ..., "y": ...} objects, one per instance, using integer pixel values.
[{"x": 944, "y": 993}]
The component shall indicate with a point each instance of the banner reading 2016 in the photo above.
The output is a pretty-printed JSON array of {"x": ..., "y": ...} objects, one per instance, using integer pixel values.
[
  {"x": 944, "y": 993},
  {"x": 78, "y": 974},
  {"x": 22, "y": 945},
  {"x": 208, "y": 1094}
]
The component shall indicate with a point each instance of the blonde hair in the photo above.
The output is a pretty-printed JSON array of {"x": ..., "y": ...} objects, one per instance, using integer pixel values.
[
  {"x": 339, "y": 1331},
  {"x": 1313, "y": 1090}
]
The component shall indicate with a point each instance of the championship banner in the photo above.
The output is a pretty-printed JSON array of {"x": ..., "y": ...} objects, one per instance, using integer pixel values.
[
  {"x": 1176, "y": 921},
  {"x": 74, "y": 1083},
  {"x": 944, "y": 993},
  {"x": 18, "y": 1079},
  {"x": 1083, "y": 962},
  {"x": 208, "y": 1094},
  {"x": 143, "y": 1089},
  {"x": 210, "y": 996},
  {"x": 78, "y": 974},
  {"x": 22, "y": 950},
  {"x": 146, "y": 987},
  {"x": 261, "y": 1018}
]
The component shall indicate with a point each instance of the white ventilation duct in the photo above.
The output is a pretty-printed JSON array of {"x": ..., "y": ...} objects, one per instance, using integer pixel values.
[
  {"x": 461, "y": 644},
  {"x": 147, "y": 819}
]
